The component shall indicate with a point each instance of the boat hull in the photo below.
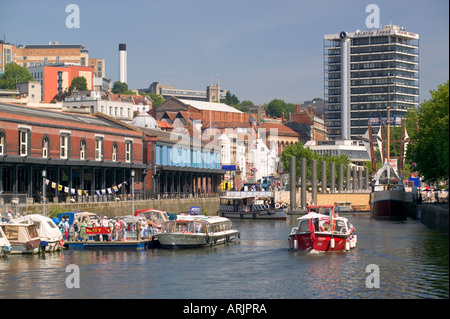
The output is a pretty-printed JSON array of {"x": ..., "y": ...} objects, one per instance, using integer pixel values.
[
  {"x": 277, "y": 214},
  {"x": 389, "y": 205},
  {"x": 192, "y": 240},
  {"x": 321, "y": 242},
  {"x": 30, "y": 247},
  {"x": 108, "y": 245}
]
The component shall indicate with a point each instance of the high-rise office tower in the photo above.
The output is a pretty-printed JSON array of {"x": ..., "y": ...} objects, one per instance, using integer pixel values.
[{"x": 365, "y": 72}]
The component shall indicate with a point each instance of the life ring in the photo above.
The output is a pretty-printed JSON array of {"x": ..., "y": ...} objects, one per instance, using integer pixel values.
[
  {"x": 277, "y": 205},
  {"x": 327, "y": 227},
  {"x": 61, "y": 242},
  {"x": 254, "y": 208},
  {"x": 283, "y": 205},
  {"x": 267, "y": 206}
]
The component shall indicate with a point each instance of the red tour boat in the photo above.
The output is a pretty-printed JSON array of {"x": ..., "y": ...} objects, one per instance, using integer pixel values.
[{"x": 322, "y": 232}]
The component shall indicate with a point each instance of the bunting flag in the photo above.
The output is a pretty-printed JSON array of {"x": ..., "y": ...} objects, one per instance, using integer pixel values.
[{"x": 80, "y": 192}]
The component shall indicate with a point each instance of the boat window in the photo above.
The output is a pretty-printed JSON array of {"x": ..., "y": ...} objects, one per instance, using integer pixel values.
[
  {"x": 32, "y": 231},
  {"x": 303, "y": 227},
  {"x": 340, "y": 227},
  {"x": 12, "y": 233},
  {"x": 167, "y": 227},
  {"x": 52, "y": 224}
]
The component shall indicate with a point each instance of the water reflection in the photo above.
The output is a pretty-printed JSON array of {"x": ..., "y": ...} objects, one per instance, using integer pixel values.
[{"x": 413, "y": 263}]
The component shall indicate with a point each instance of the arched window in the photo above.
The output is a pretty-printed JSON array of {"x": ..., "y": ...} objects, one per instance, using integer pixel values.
[
  {"x": 45, "y": 146},
  {"x": 114, "y": 152},
  {"x": 2, "y": 143},
  {"x": 83, "y": 149}
]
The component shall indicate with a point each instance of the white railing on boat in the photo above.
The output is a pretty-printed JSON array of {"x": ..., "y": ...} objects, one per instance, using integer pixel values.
[{"x": 247, "y": 194}]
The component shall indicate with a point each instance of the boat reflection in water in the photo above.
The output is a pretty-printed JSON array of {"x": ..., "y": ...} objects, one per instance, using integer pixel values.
[{"x": 196, "y": 231}]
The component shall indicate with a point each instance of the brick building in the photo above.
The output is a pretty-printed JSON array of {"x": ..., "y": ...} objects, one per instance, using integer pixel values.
[
  {"x": 83, "y": 156},
  {"x": 56, "y": 78},
  {"x": 307, "y": 124}
]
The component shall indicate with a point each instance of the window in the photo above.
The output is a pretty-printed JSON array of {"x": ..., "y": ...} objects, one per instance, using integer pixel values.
[
  {"x": 2, "y": 143},
  {"x": 114, "y": 153},
  {"x": 23, "y": 141},
  {"x": 128, "y": 145},
  {"x": 83, "y": 150},
  {"x": 98, "y": 148},
  {"x": 45, "y": 147},
  {"x": 64, "y": 145}
]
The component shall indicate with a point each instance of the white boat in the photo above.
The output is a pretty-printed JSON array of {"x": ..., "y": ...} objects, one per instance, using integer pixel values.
[
  {"x": 251, "y": 204},
  {"x": 343, "y": 207},
  {"x": 196, "y": 231},
  {"x": 5, "y": 246},
  {"x": 49, "y": 233},
  {"x": 24, "y": 238}
]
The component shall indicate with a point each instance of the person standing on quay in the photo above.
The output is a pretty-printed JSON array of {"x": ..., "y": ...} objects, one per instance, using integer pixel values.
[{"x": 83, "y": 230}]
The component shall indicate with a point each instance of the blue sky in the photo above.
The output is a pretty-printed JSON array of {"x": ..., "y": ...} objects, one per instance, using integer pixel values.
[{"x": 260, "y": 49}]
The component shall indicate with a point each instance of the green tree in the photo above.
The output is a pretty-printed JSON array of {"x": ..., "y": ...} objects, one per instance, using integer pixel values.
[
  {"x": 14, "y": 73},
  {"x": 78, "y": 84},
  {"x": 230, "y": 99},
  {"x": 119, "y": 87},
  {"x": 430, "y": 144},
  {"x": 277, "y": 107}
]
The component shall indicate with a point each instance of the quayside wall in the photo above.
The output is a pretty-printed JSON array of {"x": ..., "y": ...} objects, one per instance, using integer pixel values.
[
  {"x": 209, "y": 206},
  {"x": 434, "y": 215}
]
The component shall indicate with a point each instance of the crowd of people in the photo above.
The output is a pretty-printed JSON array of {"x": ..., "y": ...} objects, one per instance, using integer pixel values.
[{"x": 118, "y": 229}]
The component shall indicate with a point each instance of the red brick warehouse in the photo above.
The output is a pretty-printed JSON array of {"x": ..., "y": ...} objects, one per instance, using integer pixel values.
[{"x": 88, "y": 153}]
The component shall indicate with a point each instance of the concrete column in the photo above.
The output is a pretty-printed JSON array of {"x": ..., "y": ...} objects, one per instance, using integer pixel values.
[
  {"x": 314, "y": 181},
  {"x": 324, "y": 177},
  {"x": 341, "y": 178},
  {"x": 347, "y": 179},
  {"x": 332, "y": 176},
  {"x": 303, "y": 182},
  {"x": 360, "y": 184},
  {"x": 292, "y": 182},
  {"x": 355, "y": 179},
  {"x": 366, "y": 171}
]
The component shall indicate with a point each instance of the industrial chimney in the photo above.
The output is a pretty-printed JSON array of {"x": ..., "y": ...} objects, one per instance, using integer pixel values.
[{"x": 123, "y": 62}]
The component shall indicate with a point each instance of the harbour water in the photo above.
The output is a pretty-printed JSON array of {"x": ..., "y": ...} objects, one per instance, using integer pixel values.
[{"x": 412, "y": 259}]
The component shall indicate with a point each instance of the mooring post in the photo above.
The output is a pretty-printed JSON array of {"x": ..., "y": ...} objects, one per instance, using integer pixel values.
[
  {"x": 332, "y": 177},
  {"x": 314, "y": 181},
  {"x": 341, "y": 178},
  {"x": 303, "y": 182},
  {"x": 324, "y": 177},
  {"x": 293, "y": 182},
  {"x": 347, "y": 179},
  {"x": 367, "y": 178}
]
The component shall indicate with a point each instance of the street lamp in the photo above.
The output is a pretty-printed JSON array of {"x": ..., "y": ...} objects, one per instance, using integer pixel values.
[
  {"x": 132, "y": 195},
  {"x": 44, "y": 173}
]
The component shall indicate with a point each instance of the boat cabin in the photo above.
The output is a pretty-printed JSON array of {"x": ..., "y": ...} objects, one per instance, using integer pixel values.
[
  {"x": 158, "y": 216},
  {"x": 322, "y": 224},
  {"x": 324, "y": 210},
  {"x": 197, "y": 225}
]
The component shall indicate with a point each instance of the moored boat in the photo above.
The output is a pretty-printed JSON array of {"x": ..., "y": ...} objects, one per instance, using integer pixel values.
[
  {"x": 251, "y": 205},
  {"x": 23, "y": 238},
  {"x": 343, "y": 207},
  {"x": 323, "y": 233},
  {"x": 5, "y": 246},
  {"x": 196, "y": 231},
  {"x": 388, "y": 194},
  {"x": 49, "y": 233}
]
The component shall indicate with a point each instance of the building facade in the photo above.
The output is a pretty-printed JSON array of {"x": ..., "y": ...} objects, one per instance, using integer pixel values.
[
  {"x": 213, "y": 93},
  {"x": 365, "y": 72},
  {"x": 84, "y": 157},
  {"x": 56, "y": 78}
]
